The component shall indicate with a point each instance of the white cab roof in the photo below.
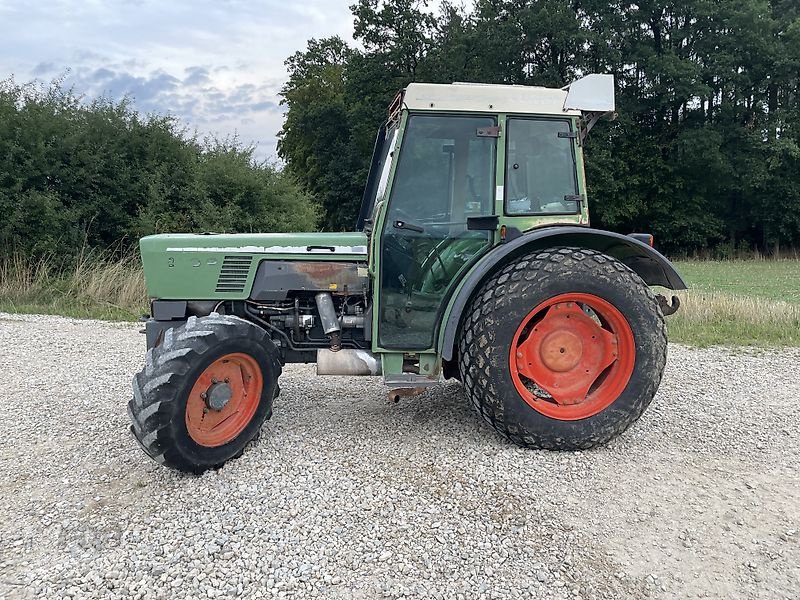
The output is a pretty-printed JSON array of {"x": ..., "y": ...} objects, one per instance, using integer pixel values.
[
  {"x": 592, "y": 93},
  {"x": 485, "y": 97}
]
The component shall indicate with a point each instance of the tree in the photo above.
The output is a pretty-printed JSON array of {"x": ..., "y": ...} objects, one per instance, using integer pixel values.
[
  {"x": 705, "y": 149},
  {"x": 316, "y": 139}
]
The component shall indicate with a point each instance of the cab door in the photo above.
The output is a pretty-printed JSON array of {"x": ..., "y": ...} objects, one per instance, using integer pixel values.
[{"x": 445, "y": 175}]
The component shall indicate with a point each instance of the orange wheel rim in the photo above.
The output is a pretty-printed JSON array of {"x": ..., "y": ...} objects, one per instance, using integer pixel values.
[
  {"x": 572, "y": 356},
  {"x": 224, "y": 399}
]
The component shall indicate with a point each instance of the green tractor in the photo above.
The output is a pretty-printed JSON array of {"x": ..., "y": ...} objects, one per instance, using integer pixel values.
[{"x": 473, "y": 259}]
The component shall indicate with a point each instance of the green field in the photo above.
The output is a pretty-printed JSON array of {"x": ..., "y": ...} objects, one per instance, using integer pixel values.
[
  {"x": 769, "y": 279},
  {"x": 741, "y": 302}
]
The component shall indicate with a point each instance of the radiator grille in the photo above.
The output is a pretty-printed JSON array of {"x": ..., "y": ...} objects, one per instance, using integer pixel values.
[{"x": 233, "y": 274}]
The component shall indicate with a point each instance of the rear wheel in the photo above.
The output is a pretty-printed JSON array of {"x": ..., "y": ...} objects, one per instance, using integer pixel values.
[
  {"x": 562, "y": 349},
  {"x": 204, "y": 393}
]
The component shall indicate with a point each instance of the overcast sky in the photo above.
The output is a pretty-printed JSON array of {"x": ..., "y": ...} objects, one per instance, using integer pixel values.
[{"x": 218, "y": 65}]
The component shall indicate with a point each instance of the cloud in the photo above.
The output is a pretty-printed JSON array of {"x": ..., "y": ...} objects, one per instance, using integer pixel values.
[
  {"x": 44, "y": 68},
  {"x": 145, "y": 90},
  {"x": 196, "y": 76},
  {"x": 194, "y": 98},
  {"x": 266, "y": 105},
  {"x": 218, "y": 65},
  {"x": 203, "y": 104}
]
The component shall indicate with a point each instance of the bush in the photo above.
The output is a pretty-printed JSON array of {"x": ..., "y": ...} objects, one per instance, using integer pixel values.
[{"x": 75, "y": 173}]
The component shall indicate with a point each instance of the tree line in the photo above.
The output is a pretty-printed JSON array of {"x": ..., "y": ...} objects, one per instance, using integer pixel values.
[
  {"x": 76, "y": 173},
  {"x": 705, "y": 152}
]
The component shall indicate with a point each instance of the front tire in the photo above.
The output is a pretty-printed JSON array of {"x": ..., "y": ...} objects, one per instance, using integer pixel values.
[
  {"x": 204, "y": 393},
  {"x": 562, "y": 349}
]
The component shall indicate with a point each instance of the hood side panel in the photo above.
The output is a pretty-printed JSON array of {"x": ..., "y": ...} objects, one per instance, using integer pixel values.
[{"x": 223, "y": 266}]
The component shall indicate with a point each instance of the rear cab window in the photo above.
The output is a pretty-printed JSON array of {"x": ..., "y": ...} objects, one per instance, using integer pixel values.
[{"x": 541, "y": 172}]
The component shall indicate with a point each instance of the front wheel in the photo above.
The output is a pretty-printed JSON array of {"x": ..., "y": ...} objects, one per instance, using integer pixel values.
[
  {"x": 205, "y": 392},
  {"x": 562, "y": 349}
]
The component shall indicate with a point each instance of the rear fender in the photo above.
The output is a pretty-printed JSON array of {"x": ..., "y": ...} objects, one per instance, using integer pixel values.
[{"x": 653, "y": 267}]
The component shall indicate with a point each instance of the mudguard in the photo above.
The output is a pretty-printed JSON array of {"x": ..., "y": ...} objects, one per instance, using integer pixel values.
[{"x": 652, "y": 266}]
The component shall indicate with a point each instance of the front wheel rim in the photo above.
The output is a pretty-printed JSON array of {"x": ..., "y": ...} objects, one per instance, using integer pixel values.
[
  {"x": 224, "y": 399},
  {"x": 572, "y": 356}
]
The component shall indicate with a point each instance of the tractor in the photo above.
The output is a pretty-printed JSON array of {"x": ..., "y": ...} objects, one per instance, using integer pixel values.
[{"x": 472, "y": 259}]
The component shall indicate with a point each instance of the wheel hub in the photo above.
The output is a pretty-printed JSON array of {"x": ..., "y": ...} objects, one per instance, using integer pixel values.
[
  {"x": 224, "y": 399},
  {"x": 572, "y": 356},
  {"x": 218, "y": 395},
  {"x": 561, "y": 350}
]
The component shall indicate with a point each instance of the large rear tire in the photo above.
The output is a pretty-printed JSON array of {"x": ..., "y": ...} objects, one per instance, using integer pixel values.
[
  {"x": 204, "y": 393},
  {"x": 562, "y": 349}
]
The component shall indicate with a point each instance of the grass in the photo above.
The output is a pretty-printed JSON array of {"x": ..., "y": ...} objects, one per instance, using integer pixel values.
[
  {"x": 752, "y": 302},
  {"x": 758, "y": 278},
  {"x": 96, "y": 286}
]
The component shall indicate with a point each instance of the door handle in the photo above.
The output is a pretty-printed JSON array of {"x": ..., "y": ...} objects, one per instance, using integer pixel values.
[{"x": 483, "y": 223}]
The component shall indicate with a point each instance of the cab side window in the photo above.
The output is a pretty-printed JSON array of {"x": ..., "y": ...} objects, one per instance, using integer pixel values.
[
  {"x": 541, "y": 174},
  {"x": 445, "y": 171}
]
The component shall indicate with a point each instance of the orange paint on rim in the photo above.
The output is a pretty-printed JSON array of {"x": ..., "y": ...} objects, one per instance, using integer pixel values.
[
  {"x": 242, "y": 376},
  {"x": 572, "y": 356}
]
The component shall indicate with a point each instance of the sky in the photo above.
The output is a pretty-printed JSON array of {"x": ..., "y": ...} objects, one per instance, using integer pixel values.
[{"x": 217, "y": 65}]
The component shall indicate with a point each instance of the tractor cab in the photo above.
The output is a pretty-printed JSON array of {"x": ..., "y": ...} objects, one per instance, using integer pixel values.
[{"x": 457, "y": 169}]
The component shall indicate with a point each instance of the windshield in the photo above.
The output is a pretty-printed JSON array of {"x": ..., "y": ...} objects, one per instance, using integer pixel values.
[{"x": 378, "y": 173}]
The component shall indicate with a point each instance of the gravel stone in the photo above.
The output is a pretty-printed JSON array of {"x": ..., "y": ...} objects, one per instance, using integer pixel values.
[{"x": 345, "y": 495}]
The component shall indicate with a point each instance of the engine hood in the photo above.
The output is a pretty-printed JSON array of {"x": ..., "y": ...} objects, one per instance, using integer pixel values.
[{"x": 222, "y": 266}]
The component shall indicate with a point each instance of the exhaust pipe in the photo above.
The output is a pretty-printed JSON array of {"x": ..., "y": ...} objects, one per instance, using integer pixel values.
[
  {"x": 348, "y": 362},
  {"x": 329, "y": 320},
  {"x": 327, "y": 313}
]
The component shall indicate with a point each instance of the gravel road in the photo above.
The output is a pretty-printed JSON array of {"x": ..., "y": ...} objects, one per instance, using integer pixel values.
[{"x": 345, "y": 495}]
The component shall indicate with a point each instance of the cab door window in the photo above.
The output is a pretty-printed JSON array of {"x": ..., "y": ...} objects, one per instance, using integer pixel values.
[{"x": 444, "y": 175}]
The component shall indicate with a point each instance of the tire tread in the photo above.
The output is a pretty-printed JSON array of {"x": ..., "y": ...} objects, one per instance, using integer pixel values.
[
  {"x": 154, "y": 404},
  {"x": 476, "y": 349}
]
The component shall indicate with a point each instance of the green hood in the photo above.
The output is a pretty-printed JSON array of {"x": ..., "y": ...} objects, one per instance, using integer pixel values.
[{"x": 222, "y": 266}]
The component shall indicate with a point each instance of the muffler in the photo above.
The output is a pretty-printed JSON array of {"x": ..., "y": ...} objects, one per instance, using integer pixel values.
[{"x": 348, "y": 362}]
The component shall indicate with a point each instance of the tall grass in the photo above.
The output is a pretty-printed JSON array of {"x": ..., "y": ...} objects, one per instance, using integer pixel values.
[
  {"x": 717, "y": 318},
  {"x": 96, "y": 284},
  {"x": 742, "y": 302}
]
